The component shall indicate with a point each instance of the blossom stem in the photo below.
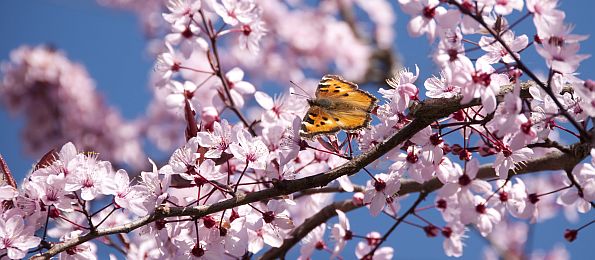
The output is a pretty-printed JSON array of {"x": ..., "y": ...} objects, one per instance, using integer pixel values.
[
  {"x": 499, "y": 188},
  {"x": 556, "y": 190},
  {"x": 106, "y": 217},
  {"x": 73, "y": 223},
  {"x": 518, "y": 21},
  {"x": 420, "y": 198},
  {"x": 47, "y": 219},
  {"x": 104, "y": 207},
  {"x": 421, "y": 218},
  {"x": 329, "y": 152},
  {"x": 235, "y": 189},
  {"x": 369, "y": 173},
  {"x": 567, "y": 130},
  {"x": 197, "y": 70},
  {"x": 586, "y": 225},
  {"x": 425, "y": 208},
  {"x": 412, "y": 224}
]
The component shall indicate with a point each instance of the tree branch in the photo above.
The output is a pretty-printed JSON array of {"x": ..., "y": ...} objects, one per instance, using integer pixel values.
[{"x": 425, "y": 113}]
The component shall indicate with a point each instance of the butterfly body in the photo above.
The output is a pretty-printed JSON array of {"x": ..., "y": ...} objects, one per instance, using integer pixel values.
[{"x": 339, "y": 105}]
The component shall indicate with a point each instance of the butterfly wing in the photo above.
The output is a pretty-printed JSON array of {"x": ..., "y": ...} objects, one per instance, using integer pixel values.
[
  {"x": 338, "y": 90},
  {"x": 321, "y": 121},
  {"x": 317, "y": 121}
]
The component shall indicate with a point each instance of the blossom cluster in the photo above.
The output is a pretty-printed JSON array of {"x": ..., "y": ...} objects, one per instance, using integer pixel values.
[
  {"x": 61, "y": 103},
  {"x": 197, "y": 204}
]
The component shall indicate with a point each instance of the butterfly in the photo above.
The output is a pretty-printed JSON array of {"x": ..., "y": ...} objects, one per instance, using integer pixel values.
[{"x": 339, "y": 105}]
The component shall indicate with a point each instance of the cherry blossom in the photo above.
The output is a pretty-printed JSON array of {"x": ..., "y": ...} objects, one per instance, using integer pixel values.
[
  {"x": 466, "y": 183},
  {"x": 381, "y": 190},
  {"x": 126, "y": 196},
  {"x": 564, "y": 58},
  {"x": 341, "y": 232},
  {"x": 440, "y": 88},
  {"x": 372, "y": 239},
  {"x": 314, "y": 240},
  {"x": 428, "y": 16},
  {"x": 403, "y": 90},
  {"x": 475, "y": 82},
  {"x": 235, "y": 11},
  {"x": 237, "y": 86},
  {"x": 583, "y": 174},
  {"x": 250, "y": 150},
  {"x": 477, "y": 212},
  {"x": 180, "y": 93},
  {"x": 496, "y": 51},
  {"x": 16, "y": 238},
  {"x": 545, "y": 12},
  {"x": 251, "y": 35},
  {"x": 181, "y": 10},
  {"x": 218, "y": 140},
  {"x": 505, "y": 7}
]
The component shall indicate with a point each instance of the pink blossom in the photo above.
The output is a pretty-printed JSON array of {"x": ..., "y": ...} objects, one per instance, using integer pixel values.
[
  {"x": 77, "y": 114},
  {"x": 280, "y": 110},
  {"x": 251, "y": 36},
  {"x": 412, "y": 164},
  {"x": 466, "y": 183},
  {"x": 178, "y": 95},
  {"x": 372, "y": 239},
  {"x": 341, "y": 233},
  {"x": 563, "y": 59},
  {"x": 505, "y": 7},
  {"x": 314, "y": 240},
  {"x": 508, "y": 157},
  {"x": 126, "y": 196},
  {"x": 269, "y": 227},
  {"x": 167, "y": 64},
  {"x": 496, "y": 51},
  {"x": 545, "y": 12},
  {"x": 8, "y": 192},
  {"x": 380, "y": 190},
  {"x": 156, "y": 188},
  {"x": 218, "y": 140},
  {"x": 236, "y": 11},
  {"x": 236, "y": 237},
  {"x": 440, "y": 88},
  {"x": 403, "y": 90},
  {"x": 427, "y": 17},
  {"x": 477, "y": 212},
  {"x": 53, "y": 194},
  {"x": 559, "y": 34},
  {"x": 250, "y": 150},
  {"x": 16, "y": 238},
  {"x": 584, "y": 174},
  {"x": 511, "y": 197},
  {"x": 181, "y": 10},
  {"x": 453, "y": 242},
  {"x": 238, "y": 87},
  {"x": 431, "y": 143},
  {"x": 88, "y": 175},
  {"x": 187, "y": 37},
  {"x": 450, "y": 48},
  {"x": 475, "y": 82}
]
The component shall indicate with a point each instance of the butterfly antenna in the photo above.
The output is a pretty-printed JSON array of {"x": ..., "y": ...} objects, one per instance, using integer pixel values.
[
  {"x": 296, "y": 85},
  {"x": 300, "y": 95}
]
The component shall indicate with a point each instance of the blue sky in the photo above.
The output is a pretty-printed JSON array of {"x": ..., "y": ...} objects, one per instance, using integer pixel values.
[{"x": 110, "y": 44}]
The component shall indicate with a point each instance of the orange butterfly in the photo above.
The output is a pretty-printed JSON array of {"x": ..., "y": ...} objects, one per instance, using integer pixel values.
[{"x": 339, "y": 104}]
